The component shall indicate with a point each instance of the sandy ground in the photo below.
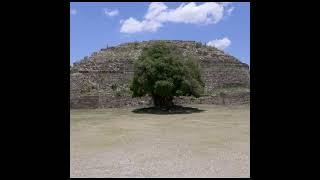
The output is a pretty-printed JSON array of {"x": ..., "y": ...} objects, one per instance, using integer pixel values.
[{"x": 120, "y": 143}]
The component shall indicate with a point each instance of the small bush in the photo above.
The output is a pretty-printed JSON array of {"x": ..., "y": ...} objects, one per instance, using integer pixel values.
[
  {"x": 118, "y": 93},
  {"x": 205, "y": 53},
  {"x": 135, "y": 44},
  {"x": 114, "y": 87},
  {"x": 198, "y": 45}
]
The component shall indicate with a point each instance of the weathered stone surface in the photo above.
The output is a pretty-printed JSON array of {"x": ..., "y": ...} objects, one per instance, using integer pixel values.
[
  {"x": 88, "y": 102},
  {"x": 102, "y": 79}
]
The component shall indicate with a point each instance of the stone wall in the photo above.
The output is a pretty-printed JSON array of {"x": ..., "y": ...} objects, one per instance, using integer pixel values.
[
  {"x": 84, "y": 102},
  {"x": 88, "y": 102},
  {"x": 231, "y": 99},
  {"x": 112, "y": 68}
]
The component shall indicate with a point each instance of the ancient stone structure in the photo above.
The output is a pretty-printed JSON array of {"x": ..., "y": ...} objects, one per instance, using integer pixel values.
[{"x": 102, "y": 80}]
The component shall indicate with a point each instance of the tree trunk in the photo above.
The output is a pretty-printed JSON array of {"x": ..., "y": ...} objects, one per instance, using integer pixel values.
[{"x": 162, "y": 101}]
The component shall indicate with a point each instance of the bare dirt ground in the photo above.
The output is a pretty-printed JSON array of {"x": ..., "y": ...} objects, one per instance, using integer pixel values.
[{"x": 120, "y": 143}]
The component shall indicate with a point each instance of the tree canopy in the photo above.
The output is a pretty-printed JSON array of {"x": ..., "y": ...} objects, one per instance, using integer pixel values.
[{"x": 162, "y": 72}]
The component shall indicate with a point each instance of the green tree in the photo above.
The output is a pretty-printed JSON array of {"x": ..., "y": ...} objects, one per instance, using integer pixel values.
[{"x": 162, "y": 73}]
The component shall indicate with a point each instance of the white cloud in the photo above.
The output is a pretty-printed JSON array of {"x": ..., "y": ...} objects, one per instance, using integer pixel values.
[
  {"x": 188, "y": 13},
  {"x": 229, "y": 11},
  {"x": 132, "y": 25},
  {"x": 111, "y": 12},
  {"x": 220, "y": 43},
  {"x": 73, "y": 11},
  {"x": 155, "y": 8}
]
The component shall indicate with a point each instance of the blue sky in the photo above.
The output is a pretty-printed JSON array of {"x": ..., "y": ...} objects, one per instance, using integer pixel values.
[{"x": 95, "y": 25}]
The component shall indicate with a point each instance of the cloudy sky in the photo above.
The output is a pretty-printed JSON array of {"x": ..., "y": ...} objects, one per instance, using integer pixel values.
[{"x": 95, "y": 25}]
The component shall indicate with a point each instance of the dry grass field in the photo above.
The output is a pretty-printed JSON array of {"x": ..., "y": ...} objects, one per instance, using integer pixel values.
[{"x": 120, "y": 143}]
